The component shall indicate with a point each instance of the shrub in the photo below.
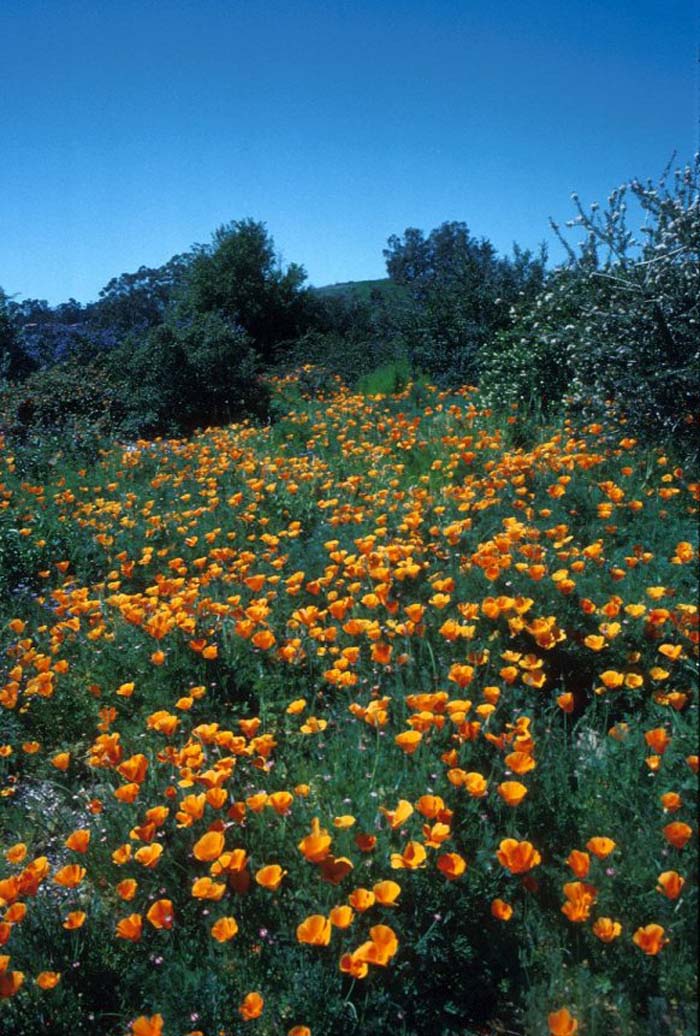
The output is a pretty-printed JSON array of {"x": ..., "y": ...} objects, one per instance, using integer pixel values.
[{"x": 619, "y": 321}]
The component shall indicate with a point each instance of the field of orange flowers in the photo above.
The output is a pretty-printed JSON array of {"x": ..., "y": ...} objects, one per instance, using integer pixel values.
[{"x": 379, "y": 719}]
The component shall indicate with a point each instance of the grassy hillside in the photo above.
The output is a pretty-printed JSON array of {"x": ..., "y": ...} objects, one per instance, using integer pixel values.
[
  {"x": 364, "y": 289},
  {"x": 379, "y": 719}
]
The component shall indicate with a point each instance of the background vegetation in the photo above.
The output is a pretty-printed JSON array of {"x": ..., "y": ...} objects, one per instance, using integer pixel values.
[{"x": 185, "y": 345}]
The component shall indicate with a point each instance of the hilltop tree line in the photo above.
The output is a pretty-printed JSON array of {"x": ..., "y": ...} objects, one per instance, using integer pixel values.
[{"x": 164, "y": 350}]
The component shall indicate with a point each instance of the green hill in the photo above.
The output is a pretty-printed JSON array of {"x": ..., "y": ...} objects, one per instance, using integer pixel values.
[{"x": 363, "y": 289}]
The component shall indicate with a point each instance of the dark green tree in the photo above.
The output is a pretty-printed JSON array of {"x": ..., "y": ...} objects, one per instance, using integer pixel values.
[
  {"x": 181, "y": 376},
  {"x": 14, "y": 361},
  {"x": 239, "y": 277},
  {"x": 461, "y": 291},
  {"x": 135, "y": 302}
]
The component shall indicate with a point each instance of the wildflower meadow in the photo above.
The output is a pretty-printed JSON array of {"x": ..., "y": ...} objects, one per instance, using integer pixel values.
[{"x": 379, "y": 718}]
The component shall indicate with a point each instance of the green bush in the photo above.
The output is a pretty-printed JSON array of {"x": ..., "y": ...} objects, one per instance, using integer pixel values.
[{"x": 203, "y": 372}]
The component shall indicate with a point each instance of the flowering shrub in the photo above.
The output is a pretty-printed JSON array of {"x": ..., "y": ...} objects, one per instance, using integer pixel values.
[{"x": 619, "y": 320}]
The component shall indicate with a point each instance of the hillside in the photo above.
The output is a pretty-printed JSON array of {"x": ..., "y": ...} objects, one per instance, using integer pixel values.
[
  {"x": 364, "y": 289},
  {"x": 300, "y": 721}
]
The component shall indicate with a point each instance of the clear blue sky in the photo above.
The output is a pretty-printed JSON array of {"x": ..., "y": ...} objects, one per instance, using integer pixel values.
[{"x": 130, "y": 129}]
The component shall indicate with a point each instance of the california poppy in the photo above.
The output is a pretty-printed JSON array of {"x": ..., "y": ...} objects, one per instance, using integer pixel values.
[
  {"x": 270, "y": 877},
  {"x": 209, "y": 846},
  {"x": 160, "y": 914},
  {"x": 650, "y": 939},
  {"x": 606, "y": 929},
  {"x": 670, "y": 883},
  {"x": 315, "y": 930},
  {"x": 224, "y": 929},
  {"x": 252, "y": 1007},
  {"x": 517, "y": 857},
  {"x": 562, "y": 1023}
]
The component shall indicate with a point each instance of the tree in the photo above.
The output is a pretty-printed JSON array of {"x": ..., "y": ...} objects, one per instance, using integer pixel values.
[
  {"x": 462, "y": 292},
  {"x": 180, "y": 376},
  {"x": 138, "y": 301},
  {"x": 240, "y": 278},
  {"x": 14, "y": 361}
]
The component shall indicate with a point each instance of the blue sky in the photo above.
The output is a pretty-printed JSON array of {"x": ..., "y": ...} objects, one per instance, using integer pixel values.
[{"x": 130, "y": 129}]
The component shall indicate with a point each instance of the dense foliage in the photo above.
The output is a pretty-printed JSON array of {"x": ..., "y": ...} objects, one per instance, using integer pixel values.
[{"x": 461, "y": 292}]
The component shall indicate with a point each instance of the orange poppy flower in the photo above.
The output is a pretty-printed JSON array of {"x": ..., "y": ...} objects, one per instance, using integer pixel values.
[
  {"x": 149, "y": 855},
  {"x": 387, "y": 892},
  {"x": 345, "y": 821},
  {"x": 381, "y": 948},
  {"x": 520, "y": 762},
  {"x": 518, "y": 857},
  {"x": 314, "y": 930},
  {"x": 315, "y": 846},
  {"x": 296, "y": 706},
  {"x": 361, "y": 899},
  {"x": 351, "y": 965},
  {"x": 430, "y": 806},
  {"x": 650, "y": 939},
  {"x": 16, "y": 853},
  {"x": 452, "y": 865},
  {"x": 501, "y": 910},
  {"x": 10, "y": 983},
  {"x": 657, "y": 739},
  {"x": 75, "y": 919},
  {"x": 252, "y": 1007},
  {"x": 612, "y": 678},
  {"x": 270, "y": 877},
  {"x": 160, "y": 915},
  {"x": 408, "y": 741},
  {"x": 205, "y": 888},
  {"x": 144, "y": 1026},
  {"x": 462, "y": 675},
  {"x": 130, "y": 927},
  {"x": 224, "y": 929},
  {"x": 48, "y": 979},
  {"x": 127, "y": 792},
  {"x": 127, "y": 888},
  {"x": 512, "y": 792},
  {"x": 670, "y": 883},
  {"x": 580, "y": 897},
  {"x": 579, "y": 862},
  {"x": 78, "y": 840},
  {"x": 397, "y": 816},
  {"x": 341, "y": 916},
  {"x": 562, "y": 1023},
  {"x": 476, "y": 785},
  {"x": 299, "y": 1030},
  {"x": 411, "y": 858},
  {"x": 606, "y": 929},
  {"x": 16, "y": 913},
  {"x": 600, "y": 846},
  {"x": 678, "y": 833},
  {"x": 209, "y": 847},
  {"x": 281, "y": 802},
  {"x": 671, "y": 801},
  {"x": 334, "y": 868},
  {"x": 69, "y": 876}
]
